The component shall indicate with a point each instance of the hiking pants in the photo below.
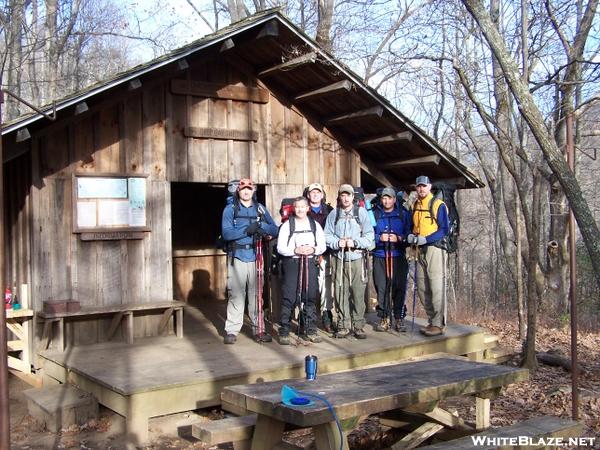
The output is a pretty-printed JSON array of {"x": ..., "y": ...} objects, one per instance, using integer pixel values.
[
  {"x": 350, "y": 298},
  {"x": 241, "y": 281},
  {"x": 325, "y": 285},
  {"x": 398, "y": 286},
  {"x": 290, "y": 298},
  {"x": 431, "y": 283}
]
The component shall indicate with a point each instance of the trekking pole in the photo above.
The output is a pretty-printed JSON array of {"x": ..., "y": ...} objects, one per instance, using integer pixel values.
[
  {"x": 390, "y": 276},
  {"x": 259, "y": 281},
  {"x": 414, "y": 250},
  {"x": 305, "y": 293}
]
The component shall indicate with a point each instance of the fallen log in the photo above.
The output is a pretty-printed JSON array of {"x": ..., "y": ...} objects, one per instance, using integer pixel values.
[{"x": 554, "y": 360}]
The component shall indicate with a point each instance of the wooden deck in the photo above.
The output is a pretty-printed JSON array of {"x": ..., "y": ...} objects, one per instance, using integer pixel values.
[{"x": 165, "y": 375}]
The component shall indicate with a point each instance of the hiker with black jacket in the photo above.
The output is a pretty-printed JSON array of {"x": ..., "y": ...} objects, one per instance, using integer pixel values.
[
  {"x": 349, "y": 234},
  {"x": 301, "y": 240},
  {"x": 430, "y": 226},
  {"x": 390, "y": 268},
  {"x": 244, "y": 224},
  {"x": 319, "y": 210}
]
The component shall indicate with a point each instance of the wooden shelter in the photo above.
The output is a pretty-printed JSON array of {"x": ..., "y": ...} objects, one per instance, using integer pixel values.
[{"x": 119, "y": 200}]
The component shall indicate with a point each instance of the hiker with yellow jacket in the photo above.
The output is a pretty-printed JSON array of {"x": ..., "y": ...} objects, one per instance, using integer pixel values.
[{"x": 430, "y": 226}]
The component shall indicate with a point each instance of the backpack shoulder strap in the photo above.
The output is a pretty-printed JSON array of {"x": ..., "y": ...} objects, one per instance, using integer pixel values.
[
  {"x": 313, "y": 227},
  {"x": 434, "y": 206},
  {"x": 292, "y": 221}
]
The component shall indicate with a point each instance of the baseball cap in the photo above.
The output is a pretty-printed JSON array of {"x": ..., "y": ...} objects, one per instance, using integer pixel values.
[
  {"x": 390, "y": 192},
  {"x": 315, "y": 186},
  {"x": 422, "y": 180},
  {"x": 245, "y": 183},
  {"x": 347, "y": 188}
]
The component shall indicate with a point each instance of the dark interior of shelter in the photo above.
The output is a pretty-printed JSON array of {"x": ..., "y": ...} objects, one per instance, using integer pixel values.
[{"x": 196, "y": 211}]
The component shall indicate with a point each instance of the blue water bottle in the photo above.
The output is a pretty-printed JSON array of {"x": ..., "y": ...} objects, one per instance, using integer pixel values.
[{"x": 310, "y": 366}]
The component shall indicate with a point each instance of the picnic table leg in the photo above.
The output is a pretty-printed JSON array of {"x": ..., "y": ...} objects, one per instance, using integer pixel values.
[
  {"x": 327, "y": 437},
  {"x": 267, "y": 432},
  {"x": 179, "y": 322},
  {"x": 482, "y": 413}
]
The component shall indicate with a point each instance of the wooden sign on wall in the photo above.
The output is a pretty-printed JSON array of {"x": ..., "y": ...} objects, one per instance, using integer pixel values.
[{"x": 221, "y": 133}]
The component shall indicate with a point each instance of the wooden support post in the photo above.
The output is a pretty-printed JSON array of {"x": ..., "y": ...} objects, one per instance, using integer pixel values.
[
  {"x": 482, "y": 413},
  {"x": 164, "y": 319},
  {"x": 327, "y": 436},
  {"x": 179, "y": 322},
  {"x": 267, "y": 432},
  {"x": 129, "y": 327},
  {"x": 62, "y": 343}
]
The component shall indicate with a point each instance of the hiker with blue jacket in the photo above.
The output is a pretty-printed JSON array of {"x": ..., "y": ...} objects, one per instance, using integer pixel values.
[
  {"x": 245, "y": 223},
  {"x": 390, "y": 268},
  {"x": 301, "y": 241},
  {"x": 430, "y": 227},
  {"x": 349, "y": 234}
]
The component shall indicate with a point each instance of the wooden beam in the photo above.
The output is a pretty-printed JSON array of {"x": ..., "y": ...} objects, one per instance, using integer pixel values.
[
  {"x": 375, "y": 111},
  {"x": 370, "y": 167},
  {"x": 220, "y": 91},
  {"x": 394, "y": 138},
  {"x": 271, "y": 29},
  {"x": 308, "y": 58},
  {"x": 421, "y": 161},
  {"x": 340, "y": 86},
  {"x": 228, "y": 44}
]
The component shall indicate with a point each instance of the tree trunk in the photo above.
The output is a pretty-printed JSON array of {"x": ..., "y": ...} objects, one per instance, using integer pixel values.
[
  {"x": 325, "y": 11},
  {"x": 535, "y": 120}
]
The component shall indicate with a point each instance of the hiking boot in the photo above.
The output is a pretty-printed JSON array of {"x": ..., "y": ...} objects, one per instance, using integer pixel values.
[
  {"x": 400, "y": 325},
  {"x": 230, "y": 339},
  {"x": 383, "y": 325},
  {"x": 284, "y": 340},
  {"x": 359, "y": 333},
  {"x": 342, "y": 333},
  {"x": 433, "y": 331},
  {"x": 314, "y": 338},
  {"x": 424, "y": 330},
  {"x": 263, "y": 337}
]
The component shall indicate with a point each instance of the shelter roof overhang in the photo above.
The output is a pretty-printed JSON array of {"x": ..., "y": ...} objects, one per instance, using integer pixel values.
[{"x": 269, "y": 47}]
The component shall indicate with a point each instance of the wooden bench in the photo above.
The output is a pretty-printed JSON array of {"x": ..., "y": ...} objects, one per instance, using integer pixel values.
[
  {"x": 119, "y": 312},
  {"x": 238, "y": 430},
  {"x": 535, "y": 429}
]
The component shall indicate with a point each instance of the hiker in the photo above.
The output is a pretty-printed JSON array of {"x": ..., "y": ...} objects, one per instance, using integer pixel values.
[
  {"x": 390, "y": 268},
  {"x": 244, "y": 225},
  {"x": 349, "y": 233},
  {"x": 430, "y": 226},
  {"x": 301, "y": 241},
  {"x": 319, "y": 210}
]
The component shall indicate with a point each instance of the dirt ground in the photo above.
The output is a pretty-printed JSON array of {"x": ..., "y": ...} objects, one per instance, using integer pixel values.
[{"x": 548, "y": 392}]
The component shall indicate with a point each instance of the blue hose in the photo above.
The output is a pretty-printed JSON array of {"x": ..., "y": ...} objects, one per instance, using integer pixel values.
[{"x": 330, "y": 407}]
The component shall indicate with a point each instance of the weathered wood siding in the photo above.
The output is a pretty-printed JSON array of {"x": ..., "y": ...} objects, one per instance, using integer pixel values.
[
  {"x": 144, "y": 131},
  {"x": 289, "y": 154}
]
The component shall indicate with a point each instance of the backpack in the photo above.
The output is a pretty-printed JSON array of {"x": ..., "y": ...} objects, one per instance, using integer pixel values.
[
  {"x": 445, "y": 193},
  {"x": 286, "y": 210},
  {"x": 313, "y": 227}
]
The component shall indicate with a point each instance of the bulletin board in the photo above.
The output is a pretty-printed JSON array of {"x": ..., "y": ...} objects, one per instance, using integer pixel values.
[{"x": 109, "y": 206}]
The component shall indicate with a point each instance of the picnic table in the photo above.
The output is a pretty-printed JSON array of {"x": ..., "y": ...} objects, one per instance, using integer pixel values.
[{"x": 411, "y": 387}]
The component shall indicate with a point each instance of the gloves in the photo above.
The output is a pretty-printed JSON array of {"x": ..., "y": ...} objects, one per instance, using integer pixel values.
[
  {"x": 252, "y": 228},
  {"x": 416, "y": 240}
]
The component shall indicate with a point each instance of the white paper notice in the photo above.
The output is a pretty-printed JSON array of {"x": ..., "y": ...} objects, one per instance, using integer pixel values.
[
  {"x": 86, "y": 214},
  {"x": 113, "y": 212}
]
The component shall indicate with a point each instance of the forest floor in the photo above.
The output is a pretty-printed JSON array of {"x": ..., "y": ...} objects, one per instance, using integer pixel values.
[{"x": 547, "y": 392}]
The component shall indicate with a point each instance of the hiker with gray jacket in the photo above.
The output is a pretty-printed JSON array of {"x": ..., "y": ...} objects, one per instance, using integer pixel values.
[{"x": 349, "y": 234}]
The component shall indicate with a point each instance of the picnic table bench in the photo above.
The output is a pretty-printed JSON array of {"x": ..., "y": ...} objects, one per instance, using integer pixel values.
[
  {"x": 415, "y": 387},
  {"x": 119, "y": 312}
]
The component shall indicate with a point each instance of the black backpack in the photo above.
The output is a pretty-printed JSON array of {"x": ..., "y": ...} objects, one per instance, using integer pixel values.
[
  {"x": 313, "y": 227},
  {"x": 445, "y": 192}
]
